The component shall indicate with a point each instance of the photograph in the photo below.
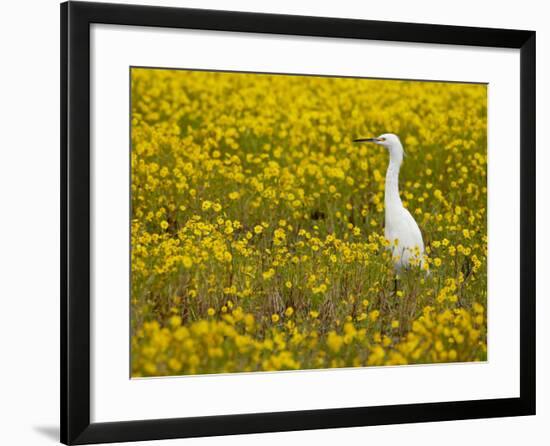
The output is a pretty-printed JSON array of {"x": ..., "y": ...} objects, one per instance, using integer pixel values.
[{"x": 293, "y": 222}]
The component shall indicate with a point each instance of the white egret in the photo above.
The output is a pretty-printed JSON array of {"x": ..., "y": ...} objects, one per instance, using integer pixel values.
[{"x": 401, "y": 229}]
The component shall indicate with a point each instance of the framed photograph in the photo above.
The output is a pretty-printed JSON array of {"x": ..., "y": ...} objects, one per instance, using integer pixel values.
[{"x": 275, "y": 223}]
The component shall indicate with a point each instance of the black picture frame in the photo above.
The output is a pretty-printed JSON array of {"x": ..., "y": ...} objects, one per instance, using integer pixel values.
[{"x": 76, "y": 18}]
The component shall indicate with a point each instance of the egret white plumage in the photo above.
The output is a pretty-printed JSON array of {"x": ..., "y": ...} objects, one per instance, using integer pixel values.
[{"x": 400, "y": 229}]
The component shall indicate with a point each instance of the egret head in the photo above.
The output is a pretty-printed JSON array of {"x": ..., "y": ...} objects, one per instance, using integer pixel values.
[{"x": 390, "y": 141}]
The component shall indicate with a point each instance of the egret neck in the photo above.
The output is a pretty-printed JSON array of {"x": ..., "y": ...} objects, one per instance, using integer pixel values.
[{"x": 392, "y": 200}]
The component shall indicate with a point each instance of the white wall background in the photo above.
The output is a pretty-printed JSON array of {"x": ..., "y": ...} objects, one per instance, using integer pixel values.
[{"x": 29, "y": 222}]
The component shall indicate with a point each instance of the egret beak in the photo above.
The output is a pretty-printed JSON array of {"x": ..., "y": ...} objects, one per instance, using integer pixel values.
[{"x": 366, "y": 140}]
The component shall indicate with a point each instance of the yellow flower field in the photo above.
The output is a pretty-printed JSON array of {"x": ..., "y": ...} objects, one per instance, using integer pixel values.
[{"x": 257, "y": 228}]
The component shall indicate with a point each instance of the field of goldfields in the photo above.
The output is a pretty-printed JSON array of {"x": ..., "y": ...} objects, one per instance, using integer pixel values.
[{"x": 257, "y": 232}]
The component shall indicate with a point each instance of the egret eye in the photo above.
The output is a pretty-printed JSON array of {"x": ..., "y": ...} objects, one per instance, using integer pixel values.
[{"x": 381, "y": 139}]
